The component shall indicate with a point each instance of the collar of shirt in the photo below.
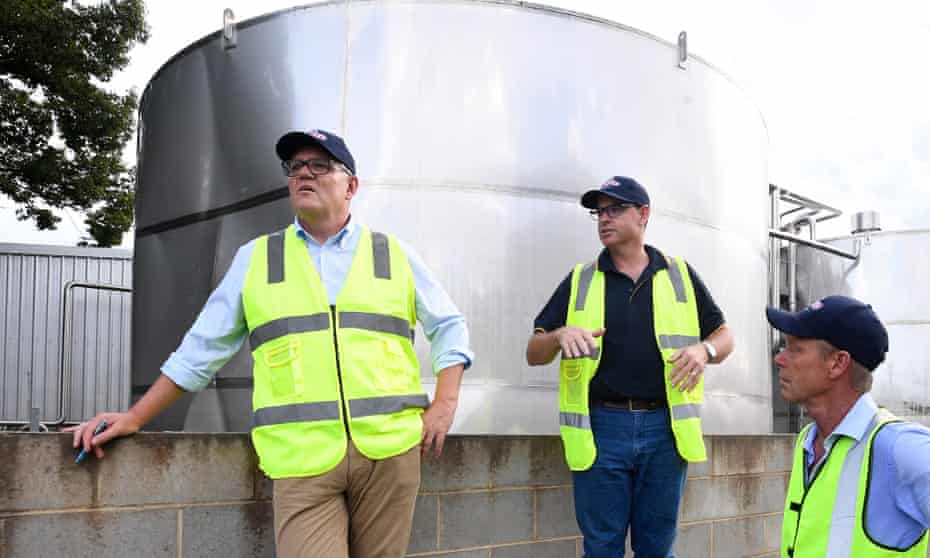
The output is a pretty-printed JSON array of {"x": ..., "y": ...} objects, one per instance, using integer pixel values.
[
  {"x": 656, "y": 262},
  {"x": 853, "y": 425},
  {"x": 342, "y": 239}
]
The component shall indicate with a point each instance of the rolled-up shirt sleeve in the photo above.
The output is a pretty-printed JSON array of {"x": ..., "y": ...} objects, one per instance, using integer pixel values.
[
  {"x": 442, "y": 321},
  {"x": 218, "y": 332}
]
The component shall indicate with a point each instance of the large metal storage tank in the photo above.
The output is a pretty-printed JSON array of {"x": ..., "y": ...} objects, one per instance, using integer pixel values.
[
  {"x": 476, "y": 125},
  {"x": 891, "y": 275}
]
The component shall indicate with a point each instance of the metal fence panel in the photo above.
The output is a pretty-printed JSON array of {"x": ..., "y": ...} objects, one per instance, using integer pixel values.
[{"x": 38, "y": 319}]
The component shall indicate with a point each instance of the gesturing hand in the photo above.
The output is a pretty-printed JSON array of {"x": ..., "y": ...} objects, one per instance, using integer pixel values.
[{"x": 578, "y": 341}]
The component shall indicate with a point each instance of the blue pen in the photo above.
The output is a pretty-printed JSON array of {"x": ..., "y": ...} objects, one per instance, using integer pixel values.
[{"x": 81, "y": 456}]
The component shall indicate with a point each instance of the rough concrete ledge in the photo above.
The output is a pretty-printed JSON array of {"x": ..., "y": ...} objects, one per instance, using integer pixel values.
[{"x": 187, "y": 494}]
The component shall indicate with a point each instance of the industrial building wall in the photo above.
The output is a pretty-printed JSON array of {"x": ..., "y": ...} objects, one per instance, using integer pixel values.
[
  {"x": 64, "y": 340},
  {"x": 182, "y": 495}
]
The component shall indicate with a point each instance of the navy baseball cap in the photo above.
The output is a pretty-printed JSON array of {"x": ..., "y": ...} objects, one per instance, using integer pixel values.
[
  {"x": 842, "y": 321},
  {"x": 620, "y": 188},
  {"x": 328, "y": 141}
]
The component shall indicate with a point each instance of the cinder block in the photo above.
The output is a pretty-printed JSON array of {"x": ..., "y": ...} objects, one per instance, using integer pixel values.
[
  {"x": 425, "y": 524},
  {"x": 38, "y": 472},
  {"x": 464, "y": 464},
  {"x": 532, "y": 461},
  {"x": 555, "y": 513},
  {"x": 703, "y": 468},
  {"x": 98, "y": 534},
  {"x": 547, "y": 549},
  {"x": 779, "y": 452},
  {"x": 485, "y": 518},
  {"x": 264, "y": 486},
  {"x": 772, "y": 526},
  {"x": 728, "y": 497},
  {"x": 736, "y": 538},
  {"x": 694, "y": 540},
  {"x": 739, "y": 455},
  {"x": 157, "y": 468},
  {"x": 232, "y": 531}
]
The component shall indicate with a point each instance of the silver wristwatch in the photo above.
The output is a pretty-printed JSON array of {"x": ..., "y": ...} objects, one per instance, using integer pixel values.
[{"x": 711, "y": 350}]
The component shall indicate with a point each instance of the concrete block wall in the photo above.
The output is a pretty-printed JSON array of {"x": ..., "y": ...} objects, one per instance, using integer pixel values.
[{"x": 189, "y": 495}]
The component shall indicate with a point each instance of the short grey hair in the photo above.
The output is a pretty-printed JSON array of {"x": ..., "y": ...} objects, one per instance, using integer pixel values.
[{"x": 859, "y": 375}]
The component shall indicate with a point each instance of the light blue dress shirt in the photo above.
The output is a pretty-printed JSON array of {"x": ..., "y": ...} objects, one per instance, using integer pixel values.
[
  {"x": 220, "y": 329},
  {"x": 898, "y": 508}
]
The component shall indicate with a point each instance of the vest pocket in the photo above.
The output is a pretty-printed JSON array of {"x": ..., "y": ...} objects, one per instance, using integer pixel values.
[
  {"x": 395, "y": 376},
  {"x": 572, "y": 372},
  {"x": 283, "y": 364}
]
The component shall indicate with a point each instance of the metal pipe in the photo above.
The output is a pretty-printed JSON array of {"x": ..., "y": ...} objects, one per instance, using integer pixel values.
[
  {"x": 774, "y": 260},
  {"x": 815, "y": 244},
  {"x": 64, "y": 325}
]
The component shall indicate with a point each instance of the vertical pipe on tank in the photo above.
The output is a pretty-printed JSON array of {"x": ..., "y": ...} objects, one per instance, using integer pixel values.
[{"x": 774, "y": 263}]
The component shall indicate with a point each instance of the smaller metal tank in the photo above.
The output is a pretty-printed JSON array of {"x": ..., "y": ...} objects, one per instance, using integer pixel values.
[{"x": 891, "y": 275}]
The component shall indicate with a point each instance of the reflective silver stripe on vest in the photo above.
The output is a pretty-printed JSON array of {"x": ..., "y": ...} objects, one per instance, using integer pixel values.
[
  {"x": 386, "y": 405},
  {"x": 381, "y": 252},
  {"x": 844, "y": 507},
  {"x": 690, "y": 410},
  {"x": 677, "y": 341},
  {"x": 584, "y": 283},
  {"x": 575, "y": 419},
  {"x": 592, "y": 356},
  {"x": 674, "y": 273},
  {"x": 376, "y": 322},
  {"x": 276, "y": 257},
  {"x": 286, "y": 326},
  {"x": 301, "y": 412}
]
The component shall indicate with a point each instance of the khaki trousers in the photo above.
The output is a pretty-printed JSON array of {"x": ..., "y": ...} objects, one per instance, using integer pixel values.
[{"x": 361, "y": 509}]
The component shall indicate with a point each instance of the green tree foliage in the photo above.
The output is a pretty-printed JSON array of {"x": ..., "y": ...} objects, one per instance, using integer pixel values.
[{"x": 61, "y": 133}]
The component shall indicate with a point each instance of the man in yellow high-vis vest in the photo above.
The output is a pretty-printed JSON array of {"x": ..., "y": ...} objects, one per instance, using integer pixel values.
[
  {"x": 328, "y": 308},
  {"x": 635, "y": 329},
  {"x": 860, "y": 479}
]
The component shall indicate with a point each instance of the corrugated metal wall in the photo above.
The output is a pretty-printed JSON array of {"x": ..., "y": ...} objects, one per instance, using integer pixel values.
[{"x": 38, "y": 319}]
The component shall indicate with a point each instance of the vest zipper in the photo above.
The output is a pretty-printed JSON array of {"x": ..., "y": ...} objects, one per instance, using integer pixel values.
[
  {"x": 807, "y": 489},
  {"x": 342, "y": 399}
]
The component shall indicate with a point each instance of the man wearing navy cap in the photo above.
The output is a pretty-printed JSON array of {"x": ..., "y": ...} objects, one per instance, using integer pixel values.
[
  {"x": 328, "y": 308},
  {"x": 860, "y": 481},
  {"x": 635, "y": 329}
]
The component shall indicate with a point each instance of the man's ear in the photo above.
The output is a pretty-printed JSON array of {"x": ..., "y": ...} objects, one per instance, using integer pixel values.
[
  {"x": 352, "y": 187},
  {"x": 841, "y": 363}
]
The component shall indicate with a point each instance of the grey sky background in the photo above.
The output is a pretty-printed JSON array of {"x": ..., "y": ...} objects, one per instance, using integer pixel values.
[{"x": 842, "y": 85}]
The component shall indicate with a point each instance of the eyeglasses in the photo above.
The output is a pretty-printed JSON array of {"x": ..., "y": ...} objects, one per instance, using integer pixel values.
[
  {"x": 611, "y": 211},
  {"x": 318, "y": 167}
]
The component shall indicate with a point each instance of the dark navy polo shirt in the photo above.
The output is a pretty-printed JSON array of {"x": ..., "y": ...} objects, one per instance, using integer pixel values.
[{"x": 631, "y": 365}]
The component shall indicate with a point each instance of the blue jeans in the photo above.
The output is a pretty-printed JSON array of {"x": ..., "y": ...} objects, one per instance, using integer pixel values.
[{"x": 636, "y": 483}]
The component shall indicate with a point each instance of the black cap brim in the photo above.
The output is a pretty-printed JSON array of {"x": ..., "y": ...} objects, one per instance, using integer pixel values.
[
  {"x": 589, "y": 199},
  {"x": 787, "y": 322},
  {"x": 292, "y": 141}
]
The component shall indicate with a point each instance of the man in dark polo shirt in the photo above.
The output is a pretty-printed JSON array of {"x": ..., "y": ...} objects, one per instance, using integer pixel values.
[{"x": 635, "y": 329}]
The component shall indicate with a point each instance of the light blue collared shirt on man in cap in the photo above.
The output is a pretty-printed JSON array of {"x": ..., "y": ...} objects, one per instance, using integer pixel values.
[
  {"x": 898, "y": 507},
  {"x": 220, "y": 329}
]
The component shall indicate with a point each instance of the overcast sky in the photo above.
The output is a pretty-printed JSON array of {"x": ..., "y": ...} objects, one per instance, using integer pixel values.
[{"x": 843, "y": 87}]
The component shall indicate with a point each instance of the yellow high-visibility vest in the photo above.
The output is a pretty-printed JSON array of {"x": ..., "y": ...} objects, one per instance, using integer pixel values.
[
  {"x": 324, "y": 373},
  {"x": 826, "y": 518},
  {"x": 676, "y": 326}
]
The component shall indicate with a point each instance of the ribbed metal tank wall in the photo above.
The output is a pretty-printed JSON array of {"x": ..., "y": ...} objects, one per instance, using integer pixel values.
[
  {"x": 476, "y": 126},
  {"x": 38, "y": 319},
  {"x": 891, "y": 275}
]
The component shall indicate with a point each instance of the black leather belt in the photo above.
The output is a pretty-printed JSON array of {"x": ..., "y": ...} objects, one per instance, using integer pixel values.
[{"x": 631, "y": 404}]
